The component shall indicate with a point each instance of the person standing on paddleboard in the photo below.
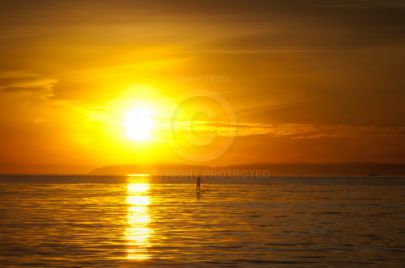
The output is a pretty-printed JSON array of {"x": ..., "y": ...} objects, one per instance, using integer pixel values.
[{"x": 198, "y": 189}]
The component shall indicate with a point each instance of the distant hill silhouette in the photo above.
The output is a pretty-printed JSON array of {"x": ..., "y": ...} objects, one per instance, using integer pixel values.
[{"x": 276, "y": 169}]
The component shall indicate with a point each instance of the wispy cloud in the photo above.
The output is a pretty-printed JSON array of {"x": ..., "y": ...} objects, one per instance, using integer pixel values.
[
  {"x": 294, "y": 131},
  {"x": 26, "y": 82}
]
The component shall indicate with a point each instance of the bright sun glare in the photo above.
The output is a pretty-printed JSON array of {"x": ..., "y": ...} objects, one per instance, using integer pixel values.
[{"x": 139, "y": 123}]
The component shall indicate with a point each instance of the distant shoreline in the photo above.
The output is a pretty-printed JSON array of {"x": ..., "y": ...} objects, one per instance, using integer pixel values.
[{"x": 362, "y": 169}]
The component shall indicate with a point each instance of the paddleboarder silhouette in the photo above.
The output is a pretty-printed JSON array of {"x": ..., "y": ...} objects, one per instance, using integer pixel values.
[{"x": 198, "y": 188}]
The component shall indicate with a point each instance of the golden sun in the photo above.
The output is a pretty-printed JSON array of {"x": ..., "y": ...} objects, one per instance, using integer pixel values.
[{"x": 139, "y": 124}]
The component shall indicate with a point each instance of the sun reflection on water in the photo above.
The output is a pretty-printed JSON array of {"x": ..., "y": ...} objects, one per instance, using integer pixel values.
[{"x": 137, "y": 233}]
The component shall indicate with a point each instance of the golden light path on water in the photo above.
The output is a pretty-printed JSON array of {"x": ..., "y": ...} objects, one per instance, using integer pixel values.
[{"x": 137, "y": 233}]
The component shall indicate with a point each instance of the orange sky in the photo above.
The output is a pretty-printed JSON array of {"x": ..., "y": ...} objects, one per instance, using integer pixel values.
[{"x": 229, "y": 82}]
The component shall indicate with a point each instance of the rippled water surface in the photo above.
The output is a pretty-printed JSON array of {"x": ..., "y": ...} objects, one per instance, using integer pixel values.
[{"x": 145, "y": 222}]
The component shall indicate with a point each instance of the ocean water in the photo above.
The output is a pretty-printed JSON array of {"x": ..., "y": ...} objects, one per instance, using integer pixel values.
[{"x": 154, "y": 222}]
